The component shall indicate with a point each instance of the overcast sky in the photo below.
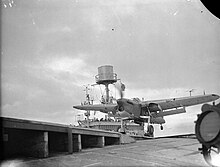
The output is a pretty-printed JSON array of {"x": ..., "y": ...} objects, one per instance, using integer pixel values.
[{"x": 158, "y": 48}]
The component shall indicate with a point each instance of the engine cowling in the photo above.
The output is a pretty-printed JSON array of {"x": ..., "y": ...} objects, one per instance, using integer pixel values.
[{"x": 130, "y": 106}]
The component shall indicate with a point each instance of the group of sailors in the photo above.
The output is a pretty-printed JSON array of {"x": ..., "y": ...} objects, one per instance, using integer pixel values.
[{"x": 103, "y": 120}]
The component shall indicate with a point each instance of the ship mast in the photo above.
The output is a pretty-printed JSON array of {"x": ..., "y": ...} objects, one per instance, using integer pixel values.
[{"x": 87, "y": 102}]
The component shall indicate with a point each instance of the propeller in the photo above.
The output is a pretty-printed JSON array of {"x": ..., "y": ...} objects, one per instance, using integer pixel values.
[
  {"x": 121, "y": 88},
  {"x": 123, "y": 103}
]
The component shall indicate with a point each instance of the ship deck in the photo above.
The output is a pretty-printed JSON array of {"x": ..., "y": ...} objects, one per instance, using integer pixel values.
[{"x": 152, "y": 152}]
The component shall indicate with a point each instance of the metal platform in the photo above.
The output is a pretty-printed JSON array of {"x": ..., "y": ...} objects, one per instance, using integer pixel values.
[{"x": 41, "y": 139}]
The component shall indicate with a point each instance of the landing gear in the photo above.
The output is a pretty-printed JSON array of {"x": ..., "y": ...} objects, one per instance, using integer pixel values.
[
  {"x": 150, "y": 131},
  {"x": 161, "y": 127}
]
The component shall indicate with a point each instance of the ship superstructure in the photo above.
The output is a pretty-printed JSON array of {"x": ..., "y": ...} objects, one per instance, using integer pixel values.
[{"x": 106, "y": 76}]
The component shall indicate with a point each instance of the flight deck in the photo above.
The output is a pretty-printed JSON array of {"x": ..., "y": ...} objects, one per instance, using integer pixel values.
[
  {"x": 173, "y": 151},
  {"x": 33, "y": 143}
]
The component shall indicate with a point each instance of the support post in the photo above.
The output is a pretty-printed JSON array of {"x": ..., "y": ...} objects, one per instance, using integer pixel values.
[
  {"x": 77, "y": 144},
  {"x": 70, "y": 141},
  {"x": 46, "y": 150},
  {"x": 107, "y": 93},
  {"x": 101, "y": 141},
  {"x": 38, "y": 145}
]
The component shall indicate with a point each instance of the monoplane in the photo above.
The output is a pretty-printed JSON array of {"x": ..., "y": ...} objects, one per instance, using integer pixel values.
[{"x": 152, "y": 111}]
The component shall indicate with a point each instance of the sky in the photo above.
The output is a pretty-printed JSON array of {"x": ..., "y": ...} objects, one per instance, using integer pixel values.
[{"x": 159, "y": 49}]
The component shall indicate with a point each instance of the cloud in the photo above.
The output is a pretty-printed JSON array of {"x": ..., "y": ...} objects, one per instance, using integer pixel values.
[
  {"x": 159, "y": 49},
  {"x": 66, "y": 69},
  {"x": 105, "y": 16},
  {"x": 44, "y": 88},
  {"x": 65, "y": 64},
  {"x": 59, "y": 29}
]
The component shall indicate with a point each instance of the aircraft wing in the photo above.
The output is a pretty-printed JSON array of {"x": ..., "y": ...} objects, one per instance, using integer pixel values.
[
  {"x": 165, "y": 104},
  {"x": 129, "y": 108},
  {"x": 98, "y": 107}
]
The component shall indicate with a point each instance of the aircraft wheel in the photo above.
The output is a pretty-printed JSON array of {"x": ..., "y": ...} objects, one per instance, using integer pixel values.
[
  {"x": 161, "y": 127},
  {"x": 150, "y": 130}
]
